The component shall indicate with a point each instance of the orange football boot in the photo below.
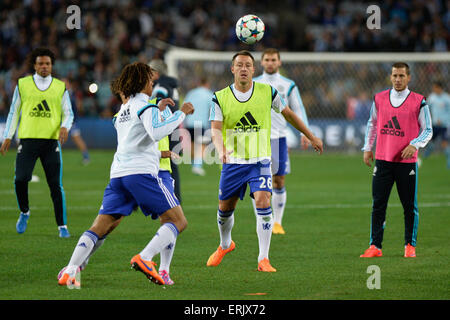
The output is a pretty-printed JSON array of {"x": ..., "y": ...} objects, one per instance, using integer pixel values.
[
  {"x": 216, "y": 258},
  {"x": 278, "y": 229},
  {"x": 147, "y": 268},
  {"x": 410, "y": 251},
  {"x": 72, "y": 280},
  {"x": 372, "y": 252},
  {"x": 264, "y": 266}
]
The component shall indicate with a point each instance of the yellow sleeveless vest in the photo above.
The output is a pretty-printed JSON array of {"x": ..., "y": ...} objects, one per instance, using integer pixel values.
[
  {"x": 246, "y": 125},
  {"x": 41, "y": 110}
]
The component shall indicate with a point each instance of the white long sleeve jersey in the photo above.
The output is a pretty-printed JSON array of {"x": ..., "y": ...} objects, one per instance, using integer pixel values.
[
  {"x": 290, "y": 93},
  {"x": 139, "y": 127},
  {"x": 16, "y": 107}
]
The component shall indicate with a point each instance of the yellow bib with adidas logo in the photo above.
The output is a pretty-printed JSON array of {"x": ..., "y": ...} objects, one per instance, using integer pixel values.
[
  {"x": 246, "y": 125},
  {"x": 41, "y": 110}
]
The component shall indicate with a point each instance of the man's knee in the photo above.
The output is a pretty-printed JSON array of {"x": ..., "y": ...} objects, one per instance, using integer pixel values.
[
  {"x": 104, "y": 224},
  {"x": 262, "y": 199},
  {"x": 176, "y": 217}
]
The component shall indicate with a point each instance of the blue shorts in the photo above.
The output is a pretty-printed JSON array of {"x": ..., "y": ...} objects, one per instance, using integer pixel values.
[
  {"x": 281, "y": 165},
  {"x": 235, "y": 177},
  {"x": 168, "y": 181},
  {"x": 74, "y": 130},
  {"x": 440, "y": 131},
  {"x": 148, "y": 192}
]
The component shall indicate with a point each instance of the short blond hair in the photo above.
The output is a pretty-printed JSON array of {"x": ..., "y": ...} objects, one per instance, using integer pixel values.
[{"x": 270, "y": 51}]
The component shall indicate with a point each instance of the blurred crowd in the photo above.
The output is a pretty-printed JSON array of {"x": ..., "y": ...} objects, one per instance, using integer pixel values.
[{"x": 114, "y": 33}]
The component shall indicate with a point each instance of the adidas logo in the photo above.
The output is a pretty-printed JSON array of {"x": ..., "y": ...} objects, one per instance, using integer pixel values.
[
  {"x": 41, "y": 110},
  {"x": 125, "y": 116},
  {"x": 82, "y": 245},
  {"x": 246, "y": 124},
  {"x": 412, "y": 172},
  {"x": 392, "y": 127}
]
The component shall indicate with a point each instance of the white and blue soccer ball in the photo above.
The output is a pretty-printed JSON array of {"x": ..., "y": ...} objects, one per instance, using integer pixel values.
[{"x": 250, "y": 29}]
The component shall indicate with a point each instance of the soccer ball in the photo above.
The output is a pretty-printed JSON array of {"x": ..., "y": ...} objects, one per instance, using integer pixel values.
[{"x": 250, "y": 29}]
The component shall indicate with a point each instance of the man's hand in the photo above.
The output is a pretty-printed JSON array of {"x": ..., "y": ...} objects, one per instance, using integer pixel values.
[
  {"x": 408, "y": 152},
  {"x": 187, "y": 108},
  {"x": 224, "y": 157},
  {"x": 304, "y": 142},
  {"x": 169, "y": 154},
  {"x": 63, "y": 135},
  {"x": 162, "y": 104},
  {"x": 5, "y": 146},
  {"x": 317, "y": 144},
  {"x": 368, "y": 158}
]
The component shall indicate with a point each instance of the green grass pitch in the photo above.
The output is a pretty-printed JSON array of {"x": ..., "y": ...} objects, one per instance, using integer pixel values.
[{"x": 327, "y": 222}]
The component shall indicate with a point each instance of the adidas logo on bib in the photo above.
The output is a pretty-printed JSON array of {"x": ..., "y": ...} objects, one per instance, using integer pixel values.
[
  {"x": 392, "y": 127},
  {"x": 246, "y": 124},
  {"x": 41, "y": 110}
]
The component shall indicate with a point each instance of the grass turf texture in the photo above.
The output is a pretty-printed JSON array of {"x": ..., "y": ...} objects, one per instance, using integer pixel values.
[{"x": 327, "y": 222}]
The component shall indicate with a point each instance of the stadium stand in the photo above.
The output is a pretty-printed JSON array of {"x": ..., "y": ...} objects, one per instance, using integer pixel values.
[{"x": 114, "y": 33}]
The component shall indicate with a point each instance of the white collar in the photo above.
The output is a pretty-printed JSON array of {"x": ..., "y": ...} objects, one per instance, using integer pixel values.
[
  {"x": 142, "y": 96},
  {"x": 400, "y": 94},
  {"x": 271, "y": 76},
  {"x": 41, "y": 78},
  {"x": 240, "y": 92}
]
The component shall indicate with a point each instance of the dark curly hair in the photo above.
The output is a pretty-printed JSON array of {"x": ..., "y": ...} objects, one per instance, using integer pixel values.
[
  {"x": 40, "y": 52},
  {"x": 133, "y": 79}
]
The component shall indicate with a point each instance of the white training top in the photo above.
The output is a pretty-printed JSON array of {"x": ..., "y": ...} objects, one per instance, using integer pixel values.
[
  {"x": 289, "y": 91},
  {"x": 139, "y": 127}
]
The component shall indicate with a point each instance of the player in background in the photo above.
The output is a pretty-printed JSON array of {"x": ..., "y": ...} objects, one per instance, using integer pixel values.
[
  {"x": 75, "y": 132},
  {"x": 167, "y": 87},
  {"x": 134, "y": 177},
  {"x": 439, "y": 102},
  {"x": 197, "y": 124},
  {"x": 240, "y": 125},
  {"x": 271, "y": 63},
  {"x": 400, "y": 122},
  {"x": 43, "y": 105}
]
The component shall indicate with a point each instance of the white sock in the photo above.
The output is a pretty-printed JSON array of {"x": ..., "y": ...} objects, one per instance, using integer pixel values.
[
  {"x": 264, "y": 224},
  {"x": 165, "y": 235},
  {"x": 84, "y": 247},
  {"x": 166, "y": 256},
  {"x": 225, "y": 222},
  {"x": 97, "y": 245},
  {"x": 278, "y": 204},
  {"x": 254, "y": 207}
]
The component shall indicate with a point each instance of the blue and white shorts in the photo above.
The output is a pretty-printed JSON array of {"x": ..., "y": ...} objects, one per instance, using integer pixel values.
[
  {"x": 235, "y": 177},
  {"x": 74, "y": 130},
  {"x": 281, "y": 165},
  {"x": 147, "y": 191}
]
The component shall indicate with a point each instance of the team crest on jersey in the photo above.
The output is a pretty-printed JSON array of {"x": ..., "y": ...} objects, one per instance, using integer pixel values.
[
  {"x": 247, "y": 124},
  {"x": 125, "y": 115}
]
